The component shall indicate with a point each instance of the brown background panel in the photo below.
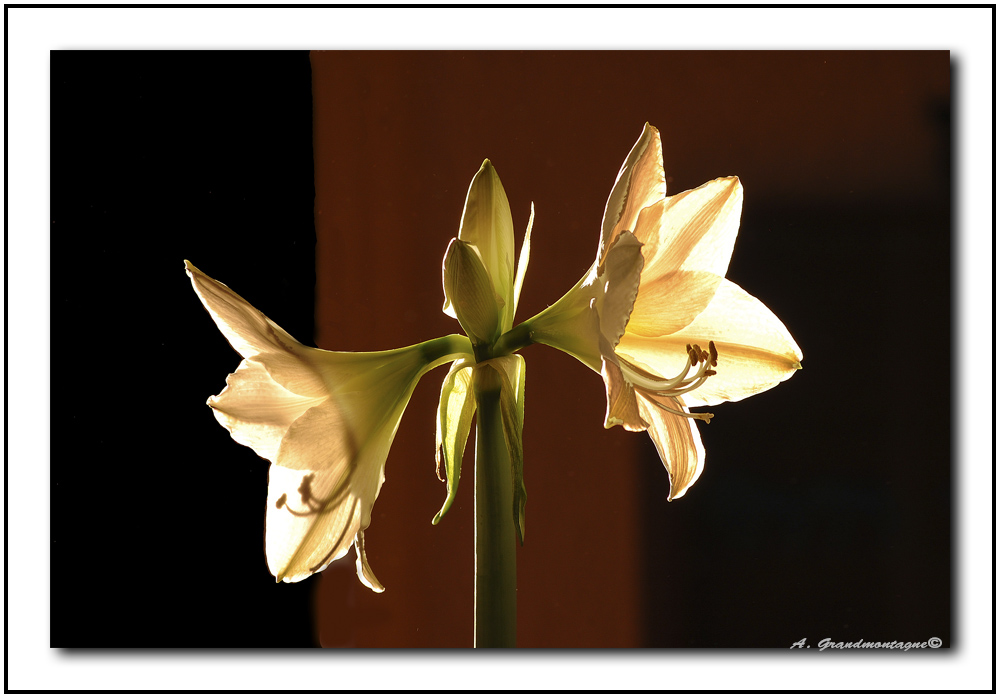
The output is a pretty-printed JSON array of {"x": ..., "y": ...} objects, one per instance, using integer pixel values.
[{"x": 397, "y": 138}]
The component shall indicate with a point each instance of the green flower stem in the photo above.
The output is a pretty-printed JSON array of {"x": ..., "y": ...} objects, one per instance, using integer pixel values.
[{"x": 496, "y": 566}]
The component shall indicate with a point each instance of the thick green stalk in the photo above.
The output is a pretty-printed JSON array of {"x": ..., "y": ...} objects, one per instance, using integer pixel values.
[{"x": 496, "y": 568}]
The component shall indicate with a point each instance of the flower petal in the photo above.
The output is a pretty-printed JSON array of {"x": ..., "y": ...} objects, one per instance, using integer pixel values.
[
  {"x": 694, "y": 230},
  {"x": 623, "y": 408},
  {"x": 756, "y": 352},
  {"x": 299, "y": 541},
  {"x": 640, "y": 183},
  {"x": 256, "y": 409},
  {"x": 365, "y": 573},
  {"x": 678, "y": 443},
  {"x": 247, "y": 329},
  {"x": 620, "y": 275},
  {"x": 671, "y": 302},
  {"x": 337, "y": 474}
]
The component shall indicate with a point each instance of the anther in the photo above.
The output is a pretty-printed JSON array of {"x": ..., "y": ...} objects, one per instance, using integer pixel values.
[
  {"x": 713, "y": 353},
  {"x": 281, "y": 501}
]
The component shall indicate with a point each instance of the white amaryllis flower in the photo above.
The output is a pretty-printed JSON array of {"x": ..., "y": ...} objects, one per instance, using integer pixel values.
[
  {"x": 324, "y": 419},
  {"x": 657, "y": 318}
]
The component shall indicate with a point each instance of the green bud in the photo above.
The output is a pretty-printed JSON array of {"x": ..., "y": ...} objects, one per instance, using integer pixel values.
[{"x": 468, "y": 291}]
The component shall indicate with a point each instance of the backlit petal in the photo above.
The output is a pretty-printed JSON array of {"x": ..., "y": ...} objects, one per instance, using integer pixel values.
[
  {"x": 304, "y": 542},
  {"x": 756, "y": 352},
  {"x": 365, "y": 573},
  {"x": 678, "y": 443},
  {"x": 671, "y": 302},
  {"x": 640, "y": 183},
  {"x": 247, "y": 329},
  {"x": 623, "y": 407},
  {"x": 620, "y": 277},
  {"x": 694, "y": 230},
  {"x": 256, "y": 409}
]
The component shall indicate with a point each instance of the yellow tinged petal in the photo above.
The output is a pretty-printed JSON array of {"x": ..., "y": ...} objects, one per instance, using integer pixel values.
[
  {"x": 756, "y": 352},
  {"x": 677, "y": 441},
  {"x": 257, "y": 410},
  {"x": 302, "y": 543},
  {"x": 623, "y": 408},
  {"x": 365, "y": 573},
  {"x": 671, "y": 302},
  {"x": 247, "y": 329},
  {"x": 640, "y": 183},
  {"x": 694, "y": 230}
]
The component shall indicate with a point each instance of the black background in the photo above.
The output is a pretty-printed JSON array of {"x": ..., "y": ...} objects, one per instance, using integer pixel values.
[{"x": 158, "y": 157}]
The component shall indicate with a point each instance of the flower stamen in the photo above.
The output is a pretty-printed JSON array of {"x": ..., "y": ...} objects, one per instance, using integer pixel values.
[{"x": 652, "y": 387}]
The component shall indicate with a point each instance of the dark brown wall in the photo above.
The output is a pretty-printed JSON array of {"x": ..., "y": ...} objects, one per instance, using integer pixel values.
[{"x": 840, "y": 153}]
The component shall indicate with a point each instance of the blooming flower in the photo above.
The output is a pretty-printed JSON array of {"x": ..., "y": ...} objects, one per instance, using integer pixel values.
[
  {"x": 657, "y": 318},
  {"x": 324, "y": 419}
]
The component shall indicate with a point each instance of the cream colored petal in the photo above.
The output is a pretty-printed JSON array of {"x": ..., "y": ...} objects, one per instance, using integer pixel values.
[
  {"x": 756, "y": 352},
  {"x": 623, "y": 408},
  {"x": 620, "y": 276},
  {"x": 302, "y": 537},
  {"x": 677, "y": 441},
  {"x": 365, "y": 573},
  {"x": 640, "y": 183},
  {"x": 256, "y": 410},
  {"x": 330, "y": 477},
  {"x": 670, "y": 303},
  {"x": 522, "y": 267},
  {"x": 694, "y": 230},
  {"x": 247, "y": 329},
  {"x": 322, "y": 440},
  {"x": 487, "y": 224}
]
